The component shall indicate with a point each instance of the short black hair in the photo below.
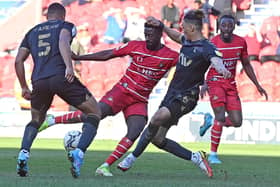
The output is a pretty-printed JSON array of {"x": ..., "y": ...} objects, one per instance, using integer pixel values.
[
  {"x": 56, "y": 8},
  {"x": 158, "y": 28},
  {"x": 227, "y": 16},
  {"x": 194, "y": 17}
]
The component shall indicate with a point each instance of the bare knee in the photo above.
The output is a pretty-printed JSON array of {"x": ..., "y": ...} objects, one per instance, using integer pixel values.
[
  {"x": 220, "y": 118},
  {"x": 90, "y": 106},
  {"x": 159, "y": 142},
  {"x": 160, "y": 117},
  {"x": 237, "y": 122}
]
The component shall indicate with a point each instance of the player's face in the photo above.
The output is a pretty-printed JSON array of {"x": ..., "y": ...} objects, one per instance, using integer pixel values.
[
  {"x": 187, "y": 28},
  {"x": 226, "y": 27},
  {"x": 152, "y": 37}
]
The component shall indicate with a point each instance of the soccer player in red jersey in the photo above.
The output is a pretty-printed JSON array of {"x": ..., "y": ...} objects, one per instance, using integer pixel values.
[
  {"x": 223, "y": 92},
  {"x": 196, "y": 55},
  {"x": 151, "y": 60}
]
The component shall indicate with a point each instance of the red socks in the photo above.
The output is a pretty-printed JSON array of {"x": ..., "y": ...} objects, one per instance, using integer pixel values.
[
  {"x": 72, "y": 117},
  {"x": 216, "y": 133},
  {"x": 120, "y": 150}
]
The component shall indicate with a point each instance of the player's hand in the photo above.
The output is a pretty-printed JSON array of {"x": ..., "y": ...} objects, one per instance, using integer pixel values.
[
  {"x": 74, "y": 56},
  {"x": 69, "y": 74},
  {"x": 26, "y": 93},
  {"x": 153, "y": 21},
  {"x": 227, "y": 74},
  {"x": 263, "y": 92},
  {"x": 203, "y": 90}
]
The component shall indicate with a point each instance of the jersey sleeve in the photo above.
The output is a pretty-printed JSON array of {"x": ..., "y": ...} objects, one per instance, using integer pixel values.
[
  {"x": 71, "y": 28},
  {"x": 124, "y": 49},
  {"x": 24, "y": 42},
  {"x": 210, "y": 51}
]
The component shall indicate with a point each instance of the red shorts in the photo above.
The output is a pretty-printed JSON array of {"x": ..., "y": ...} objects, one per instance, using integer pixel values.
[
  {"x": 120, "y": 99},
  {"x": 225, "y": 94}
]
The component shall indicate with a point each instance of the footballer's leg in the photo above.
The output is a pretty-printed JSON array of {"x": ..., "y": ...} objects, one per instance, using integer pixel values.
[
  {"x": 218, "y": 100},
  {"x": 198, "y": 158},
  {"x": 145, "y": 138},
  {"x": 216, "y": 133},
  {"x": 207, "y": 123},
  {"x": 135, "y": 125},
  {"x": 30, "y": 134},
  {"x": 69, "y": 118},
  {"x": 77, "y": 95},
  {"x": 75, "y": 117},
  {"x": 40, "y": 102}
]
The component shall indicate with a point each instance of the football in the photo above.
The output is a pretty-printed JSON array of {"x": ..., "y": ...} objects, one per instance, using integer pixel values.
[{"x": 71, "y": 139}]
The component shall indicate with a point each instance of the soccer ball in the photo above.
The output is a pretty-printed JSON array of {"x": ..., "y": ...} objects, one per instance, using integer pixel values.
[{"x": 71, "y": 139}]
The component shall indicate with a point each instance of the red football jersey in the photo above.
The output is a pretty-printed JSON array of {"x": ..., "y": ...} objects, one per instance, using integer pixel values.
[
  {"x": 232, "y": 52},
  {"x": 146, "y": 68}
]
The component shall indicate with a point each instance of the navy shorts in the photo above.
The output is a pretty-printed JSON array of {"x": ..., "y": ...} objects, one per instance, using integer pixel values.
[
  {"x": 179, "y": 105},
  {"x": 74, "y": 93}
]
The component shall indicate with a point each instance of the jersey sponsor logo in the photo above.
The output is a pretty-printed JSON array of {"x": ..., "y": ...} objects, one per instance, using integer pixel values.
[
  {"x": 229, "y": 63},
  {"x": 139, "y": 59}
]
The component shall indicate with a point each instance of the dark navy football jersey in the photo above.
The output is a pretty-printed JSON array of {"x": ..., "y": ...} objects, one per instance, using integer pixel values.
[
  {"x": 194, "y": 60},
  {"x": 43, "y": 43}
]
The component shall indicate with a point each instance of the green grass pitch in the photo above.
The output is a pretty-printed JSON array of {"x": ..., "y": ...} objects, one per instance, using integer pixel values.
[{"x": 243, "y": 165}]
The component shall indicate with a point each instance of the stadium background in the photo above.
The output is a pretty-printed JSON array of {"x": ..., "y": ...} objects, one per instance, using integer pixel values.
[{"x": 261, "y": 119}]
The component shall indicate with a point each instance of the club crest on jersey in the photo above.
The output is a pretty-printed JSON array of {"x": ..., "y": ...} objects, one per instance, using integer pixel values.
[
  {"x": 238, "y": 54},
  {"x": 194, "y": 50},
  {"x": 110, "y": 98},
  {"x": 218, "y": 53},
  {"x": 139, "y": 59}
]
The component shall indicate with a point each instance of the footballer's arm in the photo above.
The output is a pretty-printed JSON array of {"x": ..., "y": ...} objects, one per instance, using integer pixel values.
[
  {"x": 22, "y": 55},
  {"x": 98, "y": 56},
  {"x": 252, "y": 76},
  {"x": 174, "y": 35},
  {"x": 217, "y": 63},
  {"x": 65, "y": 51}
]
